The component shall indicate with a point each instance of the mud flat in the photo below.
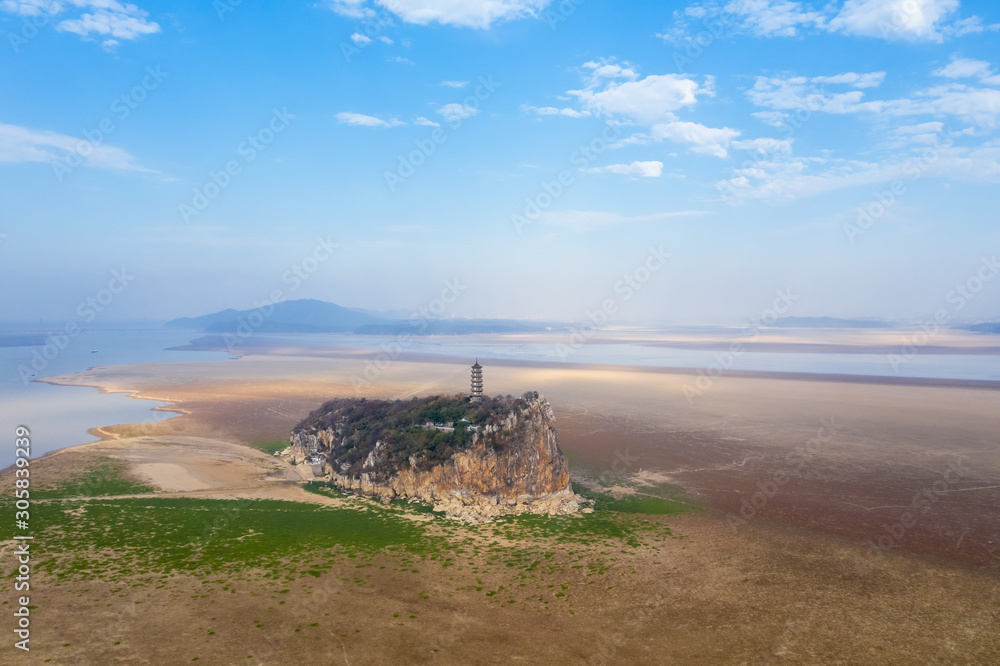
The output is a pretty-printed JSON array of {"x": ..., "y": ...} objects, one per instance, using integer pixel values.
[
  {"x": 818, "y": 572},
  {"x": 850, "y": 459}
]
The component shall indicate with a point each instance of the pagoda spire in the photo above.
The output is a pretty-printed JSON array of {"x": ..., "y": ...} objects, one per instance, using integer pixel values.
[{"x": 477, "y": 382}]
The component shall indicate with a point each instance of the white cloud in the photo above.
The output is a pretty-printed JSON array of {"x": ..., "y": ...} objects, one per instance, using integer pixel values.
[
  {"x": 579, "y": 220},
  {"x": 607, "y": 69},
  {"x": 351, "y": 8},
  {"x": 454, "y": 84},
  {"x": 778, "y": 18},
  {"x": 963, "y": 68},
  {"x": 361, "y": 120},
  {"x": 764, "y": 146},
  {"x": 966, "y": 26},
  {"x": 385, "y": 40},
  {"x": 704, "y": 140},
  {"x": 401, "y": 60},
  {"x": 921, "y": 128},
  {"x": 977, "y": 105},
  {"x": 853, "y": 79},
  {"x": 894, "y": 19},
  {"x": 456, "y": 112},
  {"x": 109, "y": 19},
  {"x": 31, "y": 7},
  {"x": 358, "y": 38},
  {"x": 772, "y": 118},
  {"x": 480, "y": 14},
  {"x": 803, "y": 93},
  {"x": 929, "y": 133},
  {"x": 911, "y": 20},
  {"x": 553, "y": 111},
  {"x": 967, "y": 68},
  {"x": 970, "y": 103},
  {"x": 784, "y": 180},
  {"x": 646, "y": 100},
  {"x": 618, "y": 92},
  {"x": 979, "y": 164},
  {"x": 800, "y": 177},
  {"x": 19, "y": 144},
  {"x": 425, "y": 122},
  {"x": 642, "y": 169}
]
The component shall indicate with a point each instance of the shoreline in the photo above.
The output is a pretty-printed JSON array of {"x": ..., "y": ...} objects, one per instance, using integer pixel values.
[
  {"x": 417, "y": 357},
  {"x": 99, "y": 431}
]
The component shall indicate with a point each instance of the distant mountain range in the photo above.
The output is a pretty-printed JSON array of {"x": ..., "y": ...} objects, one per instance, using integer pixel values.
[
  {"x": 986, "y": 327},
  {"x": 312, "y": 316},
  {"x": 301, "y": 316},
  {"x": 828, "y": 322}
]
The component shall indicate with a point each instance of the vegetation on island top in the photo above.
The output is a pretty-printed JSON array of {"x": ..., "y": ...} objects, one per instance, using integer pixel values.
[{"x": 402, "y": 427}]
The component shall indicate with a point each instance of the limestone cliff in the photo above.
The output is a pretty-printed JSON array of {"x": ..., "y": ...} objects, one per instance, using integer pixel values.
[{"x": 496, "y": 457}]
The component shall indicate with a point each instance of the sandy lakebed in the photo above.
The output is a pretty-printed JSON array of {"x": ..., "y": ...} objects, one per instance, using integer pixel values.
[{"x": 835, "y": 522}]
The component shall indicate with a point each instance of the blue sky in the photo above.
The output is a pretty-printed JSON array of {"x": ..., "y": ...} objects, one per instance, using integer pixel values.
[{"x": 845, "y": 151}]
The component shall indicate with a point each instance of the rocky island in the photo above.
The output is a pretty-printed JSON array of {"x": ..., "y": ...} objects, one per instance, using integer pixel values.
[{"x": 471, "y": 458}]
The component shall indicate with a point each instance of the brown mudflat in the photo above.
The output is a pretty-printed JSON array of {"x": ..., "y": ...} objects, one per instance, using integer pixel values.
[{"x": 795, "y": 581}]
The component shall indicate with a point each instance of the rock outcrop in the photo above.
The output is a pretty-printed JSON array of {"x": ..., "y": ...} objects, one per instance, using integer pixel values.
[{"x": 500, "y": 458}]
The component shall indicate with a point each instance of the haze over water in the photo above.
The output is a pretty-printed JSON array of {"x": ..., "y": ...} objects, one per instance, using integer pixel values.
[{"x": 59, "y": 416}]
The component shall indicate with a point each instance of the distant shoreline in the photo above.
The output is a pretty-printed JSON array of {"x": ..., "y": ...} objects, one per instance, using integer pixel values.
[
  {"x": 262, "y": 348},
  {"x": 265, "y": 344}
]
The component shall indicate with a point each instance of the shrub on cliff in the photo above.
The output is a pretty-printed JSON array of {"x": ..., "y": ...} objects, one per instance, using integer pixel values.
[{"x": 427, "y": 431}]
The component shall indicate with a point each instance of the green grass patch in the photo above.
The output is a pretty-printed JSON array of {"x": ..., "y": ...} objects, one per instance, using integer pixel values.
[
  {"x": 105, "y": 476},
  {"x": 645, "y": 504},
  {"x": 164, "y": 535},
  {"x": 272, "y": 446}
]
